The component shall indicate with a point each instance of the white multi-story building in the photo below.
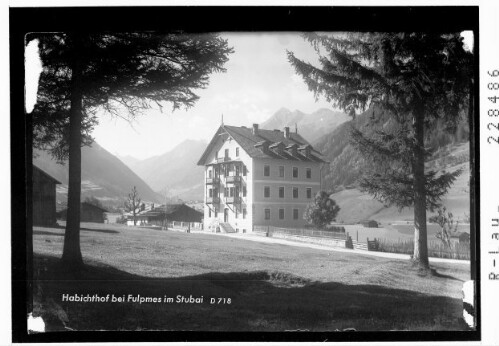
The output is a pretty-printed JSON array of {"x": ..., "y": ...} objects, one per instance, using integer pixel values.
[{"x": 256, "y": 177}]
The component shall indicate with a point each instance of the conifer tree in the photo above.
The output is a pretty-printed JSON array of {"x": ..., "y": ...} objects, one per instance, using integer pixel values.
[
  {"x": 87, "y": 74},
  {"x": 411, "y": 79}
]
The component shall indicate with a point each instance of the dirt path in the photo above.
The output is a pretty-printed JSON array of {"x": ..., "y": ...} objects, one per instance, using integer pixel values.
[{"x": 261, "y": 239}]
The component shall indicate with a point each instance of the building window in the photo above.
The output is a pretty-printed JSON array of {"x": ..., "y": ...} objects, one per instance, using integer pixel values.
[
  {"x": 216, "y": 213},
  {"x": 209, "y": 212},
  {"x": 238, "y": 170},
  {"x": 266, "y": 191},
  {"x": 309, "y": 193},
  {"x": 237, "y": 152},
  {"x": 244, "y": 191},
  {"x": 237, "y": 191},
  {"x": 295, "y": 214},
  {"x": 267, "y": 214},
  {"x": 226, "y": 192},
  {"x": 210, "y": 192},
  {"x": 231, "y": 192},
  {"x": 309, "y": 173},
  {"x": 266, "y": 171},
  {"x": 209, "y": 173},
  {"x": 281, "y": 171},
  {"x": 281, "y": 192},
  {"x": 281, "y": 214},
  {"x": 295, "y": 172},
  {"x": 244, "y": 170},
  {"x": 244, "y": 213},
  {"x": 226, "y": 153},
  {"x": 295, "y": 192}
]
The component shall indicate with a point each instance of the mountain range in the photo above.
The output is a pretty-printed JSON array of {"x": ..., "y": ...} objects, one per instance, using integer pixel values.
[
  {"x": 175, "y": 172},
  {"x": 346, "y": 165},
  {"x": 104, "y": 176},
  {"x": 311, "y": 126}
]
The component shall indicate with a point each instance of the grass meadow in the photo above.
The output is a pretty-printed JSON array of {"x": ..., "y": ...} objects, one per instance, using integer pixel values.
[{"x": 271, "y": 287}]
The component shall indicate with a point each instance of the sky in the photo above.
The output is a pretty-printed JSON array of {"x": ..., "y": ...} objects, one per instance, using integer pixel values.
[{"x": 258, "y": 82}]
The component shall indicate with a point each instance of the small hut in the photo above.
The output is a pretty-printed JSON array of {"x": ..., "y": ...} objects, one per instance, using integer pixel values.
[
  {"x": 44, "y": 204},
  {"x": 88, "y": 213},
  {"x": 370, "y": 223}
]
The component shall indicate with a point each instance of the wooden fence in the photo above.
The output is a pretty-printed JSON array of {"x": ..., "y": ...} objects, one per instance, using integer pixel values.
[
  {"x": 338, "y": 239},
  {"x": 269, "y": 231}
]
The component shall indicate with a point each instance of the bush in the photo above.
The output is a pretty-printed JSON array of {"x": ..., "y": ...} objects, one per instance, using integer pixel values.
[{"x": 121, "y": 220}]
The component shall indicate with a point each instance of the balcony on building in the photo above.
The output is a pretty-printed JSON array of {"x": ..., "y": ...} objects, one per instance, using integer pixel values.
[
  {"x": 222, "y": 159},
  {"x": 212, "y": 200},
  {"x": 233, "y": 200},
  {"x": 234, "y": 179},
  {"x": 213, "y": 181}
]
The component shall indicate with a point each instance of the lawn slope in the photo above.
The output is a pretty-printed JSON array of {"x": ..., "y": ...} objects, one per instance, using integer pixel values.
[{"x": 272, "y": 287}]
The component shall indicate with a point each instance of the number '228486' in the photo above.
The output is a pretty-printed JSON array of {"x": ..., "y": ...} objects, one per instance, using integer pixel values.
[{"x": 493, "y": 112}]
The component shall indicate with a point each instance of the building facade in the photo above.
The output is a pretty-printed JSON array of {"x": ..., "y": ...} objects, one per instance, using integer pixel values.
[
  {"x": 44, "y": 198},
  {"x": 256, "y": 177}
]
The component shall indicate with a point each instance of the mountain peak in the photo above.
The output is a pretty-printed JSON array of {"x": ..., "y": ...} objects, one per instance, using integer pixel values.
[
  {"x": 282, "y": 110},
  {"x": 310, "y": 126}
]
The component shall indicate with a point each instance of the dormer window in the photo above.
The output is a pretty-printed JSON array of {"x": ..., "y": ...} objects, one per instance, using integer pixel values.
[
  {"x": 305, "y": 150},
  {"x": 278, "y": 147},
  {"x": 292, "y": 149},
  {"x": 263, "y": 146}
]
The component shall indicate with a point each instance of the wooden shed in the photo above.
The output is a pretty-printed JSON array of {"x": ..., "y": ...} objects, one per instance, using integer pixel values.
[
  {"x": 44, "y": 204},
  {"x": 88, "y": 213},
  {"x": 370, "y": 223},
  {"x": 170, "y": 212}
]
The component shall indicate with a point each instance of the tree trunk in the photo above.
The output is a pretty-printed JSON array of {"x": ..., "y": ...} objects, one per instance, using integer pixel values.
[
  {"x": 71, "y": 255},
  {"x": 420, "y": 256}
]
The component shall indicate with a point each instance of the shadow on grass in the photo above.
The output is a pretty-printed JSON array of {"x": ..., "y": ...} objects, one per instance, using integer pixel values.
[
  {"x": 81, "y": 229},
  {"x": 444, "y": 276},
  {"x": 47, "y": 233},
  {"x": 236, "y": 301}
]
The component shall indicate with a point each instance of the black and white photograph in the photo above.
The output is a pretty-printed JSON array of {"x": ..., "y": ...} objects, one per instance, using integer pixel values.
[{"x": 315, "y": 179}]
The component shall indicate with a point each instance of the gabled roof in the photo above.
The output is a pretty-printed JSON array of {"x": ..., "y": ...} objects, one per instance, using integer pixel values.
[
  {"x": 83, "y": 204},
  {"x": 45, "y": 174},
  {"x": 247, "y": 140},
  {"x": 93, "y": 206}
]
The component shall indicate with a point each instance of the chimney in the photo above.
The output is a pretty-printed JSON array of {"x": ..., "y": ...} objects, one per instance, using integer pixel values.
[
  {"x": 255, "y": 129},
  {"x": 286, "y": 132}
]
